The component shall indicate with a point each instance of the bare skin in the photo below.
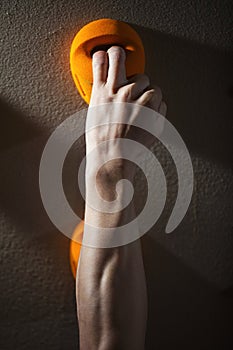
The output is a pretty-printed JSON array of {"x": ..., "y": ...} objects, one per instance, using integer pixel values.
[{"x": 110, "y": 285}]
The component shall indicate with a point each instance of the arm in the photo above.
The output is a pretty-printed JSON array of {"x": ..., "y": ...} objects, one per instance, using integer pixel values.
[{"x": 111, "y": 286}]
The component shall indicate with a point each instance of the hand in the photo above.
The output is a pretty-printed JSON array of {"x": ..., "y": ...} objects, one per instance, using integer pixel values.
[{"x": 111, "y": 85}]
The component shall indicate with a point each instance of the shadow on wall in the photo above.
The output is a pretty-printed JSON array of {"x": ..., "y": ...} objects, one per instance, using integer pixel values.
[
  {"x": 185, "y": 311},
  {"x": 37, "y": 288},
  {"x": 197, "y": 82},
  {"x": 15, "y": 129},
  {"x": 21, "y": 146}
]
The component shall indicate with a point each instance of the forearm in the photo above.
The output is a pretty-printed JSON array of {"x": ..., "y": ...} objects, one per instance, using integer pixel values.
[{"x": 111, "y": 287}]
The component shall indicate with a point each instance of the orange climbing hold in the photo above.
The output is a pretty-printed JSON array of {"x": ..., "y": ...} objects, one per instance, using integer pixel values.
[
  {"x": 75, "y": 247},
  {"x": 102, "y": 34}
]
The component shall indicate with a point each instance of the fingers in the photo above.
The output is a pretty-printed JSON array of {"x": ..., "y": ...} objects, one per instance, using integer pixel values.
[
  {"x": 145, "y": 97},
  {"x": 156, "y": 99},
  {"x": 153, "y": 99},
  {"x": 116, "y": 71},
  {"x": 100, "y": 67},
  {"x": 109, "y": 72},
  {"x": 134, "y": 88}
]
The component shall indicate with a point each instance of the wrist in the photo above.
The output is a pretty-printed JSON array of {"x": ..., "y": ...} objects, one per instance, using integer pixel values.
[
  {"x": 111, "y": 171},
  {"x": 105, "y": 180}
]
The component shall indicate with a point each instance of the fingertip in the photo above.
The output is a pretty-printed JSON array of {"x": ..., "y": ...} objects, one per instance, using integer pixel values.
[
  {"x": 145, "y": 97},
  {"x": 99, "y": 56},
  {"x": 99, "y": 66},
  {"x": 117, "y": 51}
]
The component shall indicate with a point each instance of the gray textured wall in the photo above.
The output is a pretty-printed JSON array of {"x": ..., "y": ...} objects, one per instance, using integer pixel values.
[{"x": 189, "y": 273}]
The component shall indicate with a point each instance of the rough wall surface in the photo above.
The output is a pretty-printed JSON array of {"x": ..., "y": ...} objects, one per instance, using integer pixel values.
[{"x": 190, "y": 272}]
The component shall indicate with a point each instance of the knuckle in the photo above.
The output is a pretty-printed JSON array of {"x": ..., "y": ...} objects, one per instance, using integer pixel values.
[
  {"x": 158, "y": 92},
  {"x": 125, "y": 94},
  {"x": 145, "y": 79},
  {"x": 141, "y": 78},
  {"x": 136, "y": 77}
]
